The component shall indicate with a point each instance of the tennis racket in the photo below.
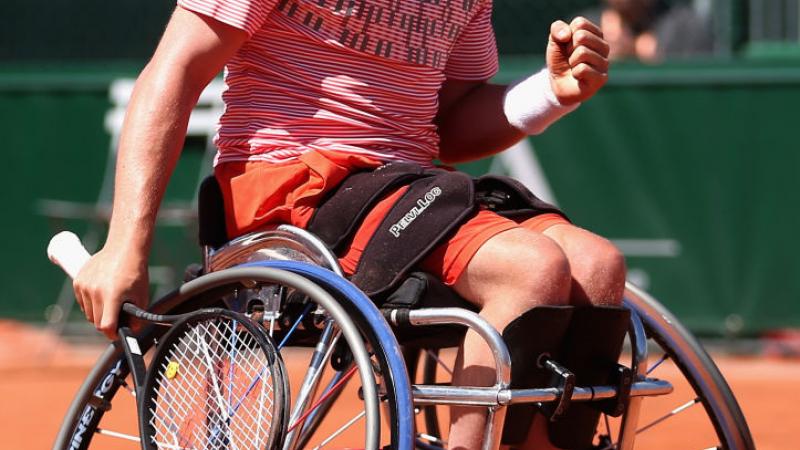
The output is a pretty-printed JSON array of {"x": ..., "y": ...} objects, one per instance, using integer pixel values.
[{"x": 215, "y": 380}]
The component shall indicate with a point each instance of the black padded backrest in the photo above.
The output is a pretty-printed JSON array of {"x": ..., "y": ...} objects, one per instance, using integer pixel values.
[{"x": 211, "y": 214}]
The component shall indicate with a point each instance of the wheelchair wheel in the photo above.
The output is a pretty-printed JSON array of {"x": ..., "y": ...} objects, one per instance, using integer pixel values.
[
  {"x": 367, "y": 356},
  {"x": 675, "y": 355},
  {"x": 674, "y": 351}
]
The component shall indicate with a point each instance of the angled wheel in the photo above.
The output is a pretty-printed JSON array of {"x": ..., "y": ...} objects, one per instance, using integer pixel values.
[
  {"x": 702, "y": 412},
  {"x": 371, "y": 368}
]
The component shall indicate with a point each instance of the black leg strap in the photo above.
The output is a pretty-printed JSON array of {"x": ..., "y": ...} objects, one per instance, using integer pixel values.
[
  {"x": 592, "y": 347},
  {"x": 211, "y": 214},
  {"x": 534, "y": 336}
]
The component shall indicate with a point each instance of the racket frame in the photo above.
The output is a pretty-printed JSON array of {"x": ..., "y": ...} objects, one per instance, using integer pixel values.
[{"x": 144, "y": 378}]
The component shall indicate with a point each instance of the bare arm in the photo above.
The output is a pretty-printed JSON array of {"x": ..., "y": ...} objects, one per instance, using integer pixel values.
[
  {"x": 471, "y": 121},
  {"x": 471, "y": 118},
  {"x": 192, "y": 51}
]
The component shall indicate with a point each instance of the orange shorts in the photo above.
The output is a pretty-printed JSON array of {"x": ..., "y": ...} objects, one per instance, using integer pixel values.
[{"x": 259, "y": 194}]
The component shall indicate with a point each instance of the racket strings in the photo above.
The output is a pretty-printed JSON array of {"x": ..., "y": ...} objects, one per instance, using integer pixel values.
[{"x": 214, "y": 390}]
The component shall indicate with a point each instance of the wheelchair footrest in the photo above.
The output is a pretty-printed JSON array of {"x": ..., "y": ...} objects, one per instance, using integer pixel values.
[
  {"x": 591, "y": 348},
  {"x": 622, "y": 379},
  {"x": 533, "y": 339},
  {"x": 563, "y": 380}
]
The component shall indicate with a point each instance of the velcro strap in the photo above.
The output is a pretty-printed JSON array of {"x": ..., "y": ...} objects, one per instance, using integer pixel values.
[
  {"x": 536, "y": 332},
  {"x": 211, "y": 214},
  {"x": 337, "y": 218},
  {"x": 592, "y": 346},
  {"x": 430, "y": 209},
  {"x": 510, "y": 198}
]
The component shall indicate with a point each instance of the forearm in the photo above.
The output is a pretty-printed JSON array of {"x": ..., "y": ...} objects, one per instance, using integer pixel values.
[
  {"x": 192, "y": 51},
  {"x": 475, "y": 126},
  {"x": 150, "y": 144},
  {"x": 490, "y": 118},
  {"x": 478, "y": 119}
]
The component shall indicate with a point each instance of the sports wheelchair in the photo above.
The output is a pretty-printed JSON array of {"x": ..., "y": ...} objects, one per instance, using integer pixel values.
[{"x": 385, "y": 360}]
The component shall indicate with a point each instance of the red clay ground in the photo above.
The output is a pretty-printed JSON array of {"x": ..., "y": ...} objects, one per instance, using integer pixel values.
[{"x": 39, "y": 374}]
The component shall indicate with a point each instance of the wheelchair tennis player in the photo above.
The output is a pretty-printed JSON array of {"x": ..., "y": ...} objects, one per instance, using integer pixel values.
[{"x": 335, "y": 113}]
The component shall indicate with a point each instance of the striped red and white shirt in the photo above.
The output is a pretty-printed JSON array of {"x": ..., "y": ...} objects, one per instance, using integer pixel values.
[{"x": 352, "y": 76}]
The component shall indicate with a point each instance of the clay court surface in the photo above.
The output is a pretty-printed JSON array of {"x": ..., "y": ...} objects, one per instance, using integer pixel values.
[{"x": 39, "y": 374}]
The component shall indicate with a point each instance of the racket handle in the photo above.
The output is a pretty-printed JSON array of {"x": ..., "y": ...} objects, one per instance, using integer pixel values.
[
  {"x": 139, "y": 313},
  {"x": 66, "y": 251}
]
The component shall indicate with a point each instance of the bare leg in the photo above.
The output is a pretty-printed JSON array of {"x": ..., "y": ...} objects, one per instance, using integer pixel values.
[
  {"x": 598, "y": 267},
  {"x": 598, "y": 277},
  {"x": 513, "y": 272}
]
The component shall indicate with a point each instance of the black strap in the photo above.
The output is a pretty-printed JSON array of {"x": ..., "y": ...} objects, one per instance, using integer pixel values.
[
  {"x": 591, "y": 348},
  {"x": 415, "y": 225},
  {"x": 211, "y": 214},
  {"x": 536, "y": 333},
  {"x": 430, "y": 210},
  {"x": 337, "y": 218},
  {"x": 510, "y": 198}
]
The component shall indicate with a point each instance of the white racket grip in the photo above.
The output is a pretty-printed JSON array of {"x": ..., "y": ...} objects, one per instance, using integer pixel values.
[{"x": 67, "y": 252}]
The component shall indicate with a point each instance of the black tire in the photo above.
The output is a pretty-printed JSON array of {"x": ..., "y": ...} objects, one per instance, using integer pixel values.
[{"x": 101, "y": 389}]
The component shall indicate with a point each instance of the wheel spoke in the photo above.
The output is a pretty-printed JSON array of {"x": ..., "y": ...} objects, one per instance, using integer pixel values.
[
  {"x": 170, "y": 446},
  {"x": 175, "y": 446},
  {"x": 608, "y": 429},
  {"x": 658, "y": 363},
  {"x": 118, "y": 435},
  {"x": 432, "y": 439},
  {"x": 324, "y": 397},
  {"x": 127, "y": 387},
  {"x": 341, "y": 430},
  {"x": 439, "y": 361},
  {"x": 295, "y": 325},
  {"x": 203, "y": 344},
  {"x": 674, "y": 412}
]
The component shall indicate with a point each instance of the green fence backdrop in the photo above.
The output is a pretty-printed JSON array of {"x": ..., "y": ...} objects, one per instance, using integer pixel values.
[{"x": 691, "y": 169}]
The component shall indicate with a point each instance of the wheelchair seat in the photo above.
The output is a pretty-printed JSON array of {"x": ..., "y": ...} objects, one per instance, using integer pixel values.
[{"x": 286, "y": 242}]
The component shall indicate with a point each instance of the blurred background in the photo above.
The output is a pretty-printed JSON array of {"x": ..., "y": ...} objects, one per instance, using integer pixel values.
[{"x": 688, "y": 159}]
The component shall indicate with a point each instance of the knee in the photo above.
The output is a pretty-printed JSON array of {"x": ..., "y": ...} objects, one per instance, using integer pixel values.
[
  {"x": 542, "y": 274},
  {"x": 549, "y": 272},
  {"x": 517, "y": 270},
  {"x": 600, "y": 274}
]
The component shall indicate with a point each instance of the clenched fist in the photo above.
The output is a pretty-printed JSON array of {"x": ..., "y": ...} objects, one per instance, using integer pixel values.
[{"x": 577, "y": 58}]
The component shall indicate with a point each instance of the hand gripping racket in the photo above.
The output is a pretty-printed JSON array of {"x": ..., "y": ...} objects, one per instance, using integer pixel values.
[{"x": 215, "y": 380}]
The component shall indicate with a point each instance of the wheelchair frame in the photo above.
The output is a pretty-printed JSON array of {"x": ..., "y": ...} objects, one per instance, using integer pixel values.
[{"x": 272, "y": 257}]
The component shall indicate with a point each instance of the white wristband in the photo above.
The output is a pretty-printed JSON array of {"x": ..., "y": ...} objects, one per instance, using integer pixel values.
[{"x": 530, "y": 105}]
